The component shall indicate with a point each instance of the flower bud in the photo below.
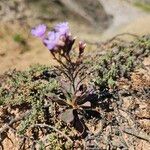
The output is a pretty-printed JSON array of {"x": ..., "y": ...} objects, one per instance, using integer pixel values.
[{"x": 82, "y": 46}]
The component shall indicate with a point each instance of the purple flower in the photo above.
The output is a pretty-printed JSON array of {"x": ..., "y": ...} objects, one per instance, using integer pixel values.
[
  {"x": 57, "y": 37},
  {"x": 62, "y": 28},
  {"x": 52, "y": 39},
  {"x": 39, "y": 31}
]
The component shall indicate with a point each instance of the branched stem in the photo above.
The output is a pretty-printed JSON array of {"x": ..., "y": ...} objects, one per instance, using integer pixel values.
[
  {"x": 137, "y": 134},
  {"x": 7, "y": 126},
  {"x": 59, "y": 61},
  {"x": 55, "y": 129}
]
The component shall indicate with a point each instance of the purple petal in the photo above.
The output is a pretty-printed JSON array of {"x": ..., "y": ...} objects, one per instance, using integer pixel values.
[
  {"x": 62, "y": 28},
  {"x": 39, "y": 31},
  {"x": 52, "y": 40}
]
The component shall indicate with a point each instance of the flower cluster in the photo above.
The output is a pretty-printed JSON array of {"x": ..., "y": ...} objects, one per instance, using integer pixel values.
[{"x": 55, "y": 39}]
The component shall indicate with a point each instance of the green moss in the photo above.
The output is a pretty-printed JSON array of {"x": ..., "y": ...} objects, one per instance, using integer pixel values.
[
  {"x": 108, "y": 68},
  {"x": 19, "y": 39},
  {"x": 22, "y": 42},
  {"x": 145, "y": 7},
  {"x": 23, "y": 87}
]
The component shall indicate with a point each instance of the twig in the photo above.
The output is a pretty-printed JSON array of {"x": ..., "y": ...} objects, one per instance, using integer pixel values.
[
  {"x": 122, "y": 34},
  {"x": 22, "y": 143},
  {"x": 55, "y": 129},
  {"x": 125, "y": 142},
  {"x": 6, "y": 126},
  {"x": 137, "y": 134},
  {"x": 111, "y": 39},
  {"x": 23, "y": 137}
]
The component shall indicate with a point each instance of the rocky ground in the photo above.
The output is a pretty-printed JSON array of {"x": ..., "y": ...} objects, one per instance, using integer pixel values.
[
  {"x": 117, "y": 119},
  {"x": 124, "y": 120}
]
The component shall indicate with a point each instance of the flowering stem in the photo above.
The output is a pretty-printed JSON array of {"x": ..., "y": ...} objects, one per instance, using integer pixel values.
[{"x": 59, "y": 61}]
